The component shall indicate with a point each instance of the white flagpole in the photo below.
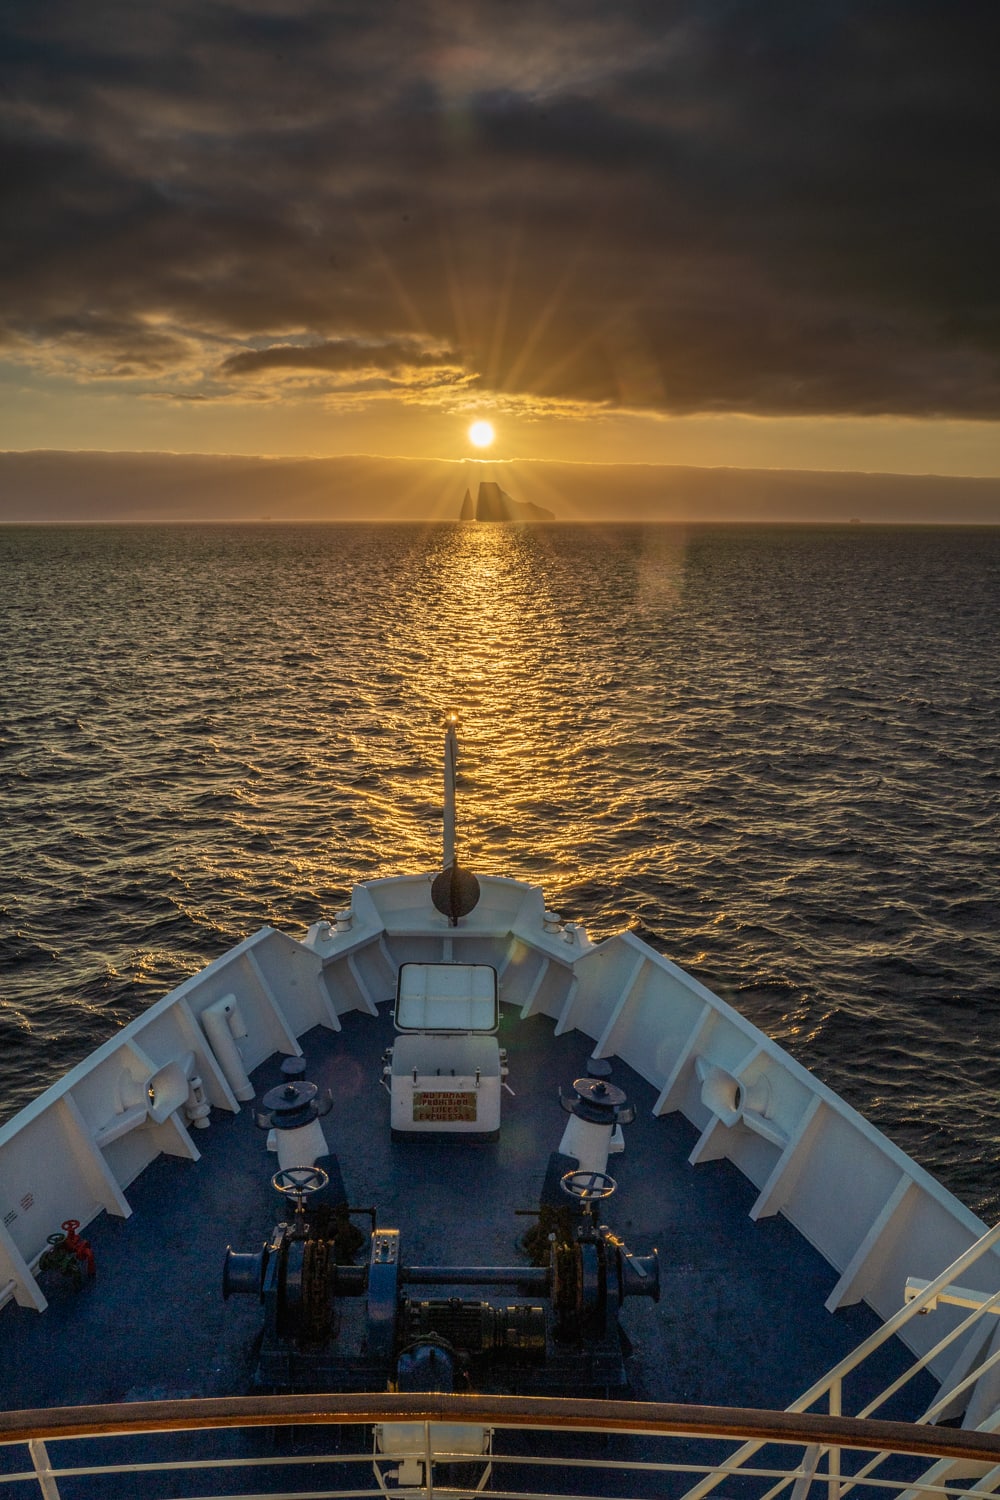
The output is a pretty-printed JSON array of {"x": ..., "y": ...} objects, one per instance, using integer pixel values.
[{"x": 450, "y": 757}]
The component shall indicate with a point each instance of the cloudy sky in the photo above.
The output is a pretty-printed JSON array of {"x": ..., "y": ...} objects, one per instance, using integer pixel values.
[{"x": 715, "y": 232}]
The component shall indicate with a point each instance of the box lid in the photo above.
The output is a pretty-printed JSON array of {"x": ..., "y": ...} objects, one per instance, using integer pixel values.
[{"x": 447, "y": 997}]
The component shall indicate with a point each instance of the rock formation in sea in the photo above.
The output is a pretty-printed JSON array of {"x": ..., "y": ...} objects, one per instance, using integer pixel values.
[{"x": 494, "y": 504}]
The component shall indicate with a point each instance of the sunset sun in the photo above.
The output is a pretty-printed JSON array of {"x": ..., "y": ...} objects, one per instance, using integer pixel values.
[{"x": 481, "y": 434}]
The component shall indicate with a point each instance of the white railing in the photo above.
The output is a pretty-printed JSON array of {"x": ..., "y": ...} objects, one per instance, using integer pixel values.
[
  {"x": 664, "y": 1453},
  {"x": 830, "y": 1388}
]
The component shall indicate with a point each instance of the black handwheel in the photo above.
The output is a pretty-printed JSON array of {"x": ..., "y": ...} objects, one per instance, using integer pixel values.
[
  {"x": 587, "y": 1187},
  {"x": 300, "y": 1182}
]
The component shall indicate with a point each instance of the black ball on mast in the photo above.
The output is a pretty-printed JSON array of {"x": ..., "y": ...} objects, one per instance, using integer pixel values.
[{"x": 455, "y": 892}]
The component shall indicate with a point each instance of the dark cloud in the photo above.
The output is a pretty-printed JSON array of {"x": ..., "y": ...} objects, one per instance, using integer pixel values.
[
  {"x": 729, "y": 207},
  {"x": 341, "y": 355}
]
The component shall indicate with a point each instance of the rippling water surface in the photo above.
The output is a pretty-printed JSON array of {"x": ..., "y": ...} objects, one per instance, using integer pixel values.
[{"x": 772, "y": 751}]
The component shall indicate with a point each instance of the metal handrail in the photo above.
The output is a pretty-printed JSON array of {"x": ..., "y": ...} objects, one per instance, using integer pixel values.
[
  {"x": 906, "y": 1313},
  {"x": 831, "y": 1384},
  {"x": 540, "y": 1413}
]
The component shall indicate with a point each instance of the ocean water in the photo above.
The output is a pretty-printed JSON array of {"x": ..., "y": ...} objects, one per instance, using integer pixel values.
[{"x": 772, "y": 751}]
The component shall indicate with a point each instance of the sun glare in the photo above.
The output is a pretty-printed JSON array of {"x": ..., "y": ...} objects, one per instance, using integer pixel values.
[{"x": 481, "y": 434}]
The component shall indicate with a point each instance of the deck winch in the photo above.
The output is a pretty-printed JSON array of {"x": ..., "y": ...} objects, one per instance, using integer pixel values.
[{"x": 335, "y": 1323}]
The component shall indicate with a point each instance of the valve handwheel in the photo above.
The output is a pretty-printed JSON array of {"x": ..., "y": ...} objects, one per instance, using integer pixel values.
[
  {"x": 587, "y": 1187},
  {"x": 300, "y": 1182}
]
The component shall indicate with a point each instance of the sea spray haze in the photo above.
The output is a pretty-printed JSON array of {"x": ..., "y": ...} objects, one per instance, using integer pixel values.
[{"x": 771, "y": 750}]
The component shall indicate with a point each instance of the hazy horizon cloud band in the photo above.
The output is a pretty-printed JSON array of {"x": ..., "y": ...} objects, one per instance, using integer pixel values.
[
  {"x": 771, "y": 750},
  {"x": 97, "y": 488}
]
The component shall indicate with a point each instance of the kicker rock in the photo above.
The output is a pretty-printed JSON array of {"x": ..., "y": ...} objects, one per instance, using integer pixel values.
[{"x": 494, "y": 504}]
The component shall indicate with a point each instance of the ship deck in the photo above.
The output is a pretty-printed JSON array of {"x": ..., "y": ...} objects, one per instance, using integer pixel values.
[{"x": 740, "y": 1321}]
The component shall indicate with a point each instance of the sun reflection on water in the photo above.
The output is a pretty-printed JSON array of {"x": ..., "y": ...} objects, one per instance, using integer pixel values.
[
  {"x": 482, "y": 638},
  {"x": 494, "y": 623}
]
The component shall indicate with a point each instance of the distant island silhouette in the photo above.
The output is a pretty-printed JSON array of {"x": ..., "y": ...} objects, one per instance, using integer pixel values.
[{"x": 494, "y": 504}]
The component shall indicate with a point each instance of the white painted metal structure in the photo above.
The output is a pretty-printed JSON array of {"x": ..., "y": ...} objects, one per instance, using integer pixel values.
[
  {"x": 590, "y": 1144},
  {"x": 875, "y": 1215},
  {"x": 446, "y": 1070}
]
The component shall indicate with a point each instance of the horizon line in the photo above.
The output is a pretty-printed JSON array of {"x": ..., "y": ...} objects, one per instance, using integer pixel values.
[{"x": 854, "y": 524}]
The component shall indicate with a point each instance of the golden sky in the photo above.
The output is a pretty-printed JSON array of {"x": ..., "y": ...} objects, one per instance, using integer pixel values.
[{"x": 758, "y": 236}]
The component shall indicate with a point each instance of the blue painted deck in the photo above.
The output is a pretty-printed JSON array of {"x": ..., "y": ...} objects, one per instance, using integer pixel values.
[
  {"x": 741, "y": 1319},
  {"x": 740, "y": 1322}
]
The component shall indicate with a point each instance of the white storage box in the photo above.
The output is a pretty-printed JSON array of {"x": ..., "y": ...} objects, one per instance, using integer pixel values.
[
  {"x": 446, "y": 1068},
  {"x": 445, "y": 1083}
]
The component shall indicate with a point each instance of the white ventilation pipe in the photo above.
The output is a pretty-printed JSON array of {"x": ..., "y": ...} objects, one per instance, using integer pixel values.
[{"x": 224, "y": 1024}]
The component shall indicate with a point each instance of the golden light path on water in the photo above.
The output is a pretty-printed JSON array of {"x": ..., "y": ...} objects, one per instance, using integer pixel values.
[{"x": 490, "y": 630}]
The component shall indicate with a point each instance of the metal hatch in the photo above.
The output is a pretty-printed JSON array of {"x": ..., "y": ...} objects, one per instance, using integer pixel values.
[{"x": 450, "y": 999}]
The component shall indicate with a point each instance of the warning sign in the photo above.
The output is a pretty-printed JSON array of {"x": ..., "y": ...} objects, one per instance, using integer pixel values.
[{"x": 438, "y": 1106}]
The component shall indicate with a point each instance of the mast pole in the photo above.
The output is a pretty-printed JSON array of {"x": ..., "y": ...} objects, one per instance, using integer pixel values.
[
  {"x": 450, "y": 758},
  {"x": 455, "y": 892}
]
